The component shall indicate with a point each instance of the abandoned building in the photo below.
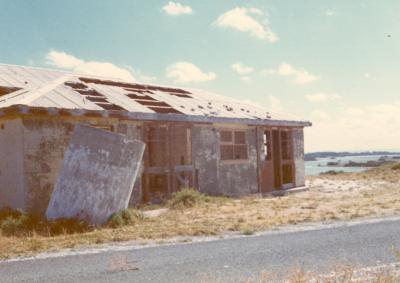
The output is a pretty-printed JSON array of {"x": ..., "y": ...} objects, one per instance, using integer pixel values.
[{"x": 218, "y": 145}]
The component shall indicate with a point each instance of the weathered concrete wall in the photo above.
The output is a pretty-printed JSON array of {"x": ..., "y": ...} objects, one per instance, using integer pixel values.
[
  {"x": 97, "y": 175},
  {"x": 240, "y": 178},
  {"x": 205, "y": 156},
  {"x": 45, "y": 142},
  {"x": 12, "y": 191},
  {"x": 216, "y": 177},
  {"x": 298, "y": 155}
]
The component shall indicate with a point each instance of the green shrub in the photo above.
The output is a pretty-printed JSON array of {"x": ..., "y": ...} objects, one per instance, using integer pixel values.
[
  {"x": 396, "y": 166},
  {"x": 125, "y": 217},
  {"x": 185, "y": 198}
]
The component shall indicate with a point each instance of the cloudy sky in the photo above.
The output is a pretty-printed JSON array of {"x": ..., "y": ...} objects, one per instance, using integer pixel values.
[{"x": 336, "y": 63}]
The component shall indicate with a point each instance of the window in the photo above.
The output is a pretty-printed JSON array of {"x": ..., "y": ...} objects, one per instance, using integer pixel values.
[
  {"x": 267, "y": 145},
  {"x": 233, "y": 145},
  {"x": 286, "y": 145}
]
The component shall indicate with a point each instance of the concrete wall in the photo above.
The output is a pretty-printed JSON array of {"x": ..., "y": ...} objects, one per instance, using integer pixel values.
[
  {"x": 97, "y": 175},
  {"x": 216, "y": 177},
  {"x": 46, "y": 140},
  {"x": 34, "y": 148},
  {"x": 12, "y": 191},
  {"x": 205, "y": 147},
  {"x": 298, "y": 155}
]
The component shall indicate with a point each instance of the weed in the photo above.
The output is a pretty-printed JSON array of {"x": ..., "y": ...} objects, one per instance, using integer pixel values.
[
  {"x": 186, "y": 198},
  {"x": 396, "y": 166},
  {"x": 125, "y": 217},
  {"x": 248, "y": 232},
  {"x": 14, "y": 223}
]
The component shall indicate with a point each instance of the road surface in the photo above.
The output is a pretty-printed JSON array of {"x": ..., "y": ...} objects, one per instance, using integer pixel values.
[{"x": 228, "y": 260}]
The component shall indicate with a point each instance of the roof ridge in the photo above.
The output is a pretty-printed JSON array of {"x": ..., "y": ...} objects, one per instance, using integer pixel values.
[{"x": 76, "y": 74}]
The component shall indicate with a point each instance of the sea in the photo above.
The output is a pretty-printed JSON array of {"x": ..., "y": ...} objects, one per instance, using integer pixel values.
[{"x": 318, "y": 166}]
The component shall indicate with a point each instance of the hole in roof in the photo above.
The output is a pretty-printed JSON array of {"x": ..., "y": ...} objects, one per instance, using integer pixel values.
[
  {"x": 110, "y": 106},
  {"x": 90, "y": 92},
  {"x": 153, "y": 103},
  {"x": 135, "y": 96},
  {"x": 140, "y": 91},
  {"x": 133, "y": 85},
  {"x": 76, "y": 85},
  {"x": 180, "y": 95},
  {"x": 6, "y": 90},
  {"x": 165, "y": 110},
  {"x": 96, "y": 99}
]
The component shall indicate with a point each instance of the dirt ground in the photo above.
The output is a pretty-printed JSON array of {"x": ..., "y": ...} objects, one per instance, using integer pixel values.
[{"x": 345, "y": 196}]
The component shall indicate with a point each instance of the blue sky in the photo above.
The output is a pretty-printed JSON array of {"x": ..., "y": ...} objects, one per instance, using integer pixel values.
[{"x": 333, "y": 62}]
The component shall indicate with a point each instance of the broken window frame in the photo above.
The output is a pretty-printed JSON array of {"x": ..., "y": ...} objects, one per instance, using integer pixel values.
[
  {"x": 178, "y": 175},
  {"x": 229, "y": 139},
  {"x": 267, "y": 145},
  {"x": 287, "y": 162}
]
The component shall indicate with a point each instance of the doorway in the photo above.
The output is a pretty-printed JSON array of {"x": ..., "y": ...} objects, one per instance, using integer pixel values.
[
  {"x": 276, "y": 164},
  {"x": 168, "y": 165}
]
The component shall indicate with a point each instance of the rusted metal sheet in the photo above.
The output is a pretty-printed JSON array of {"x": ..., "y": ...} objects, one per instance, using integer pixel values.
[{"x": 97, "y": 175}]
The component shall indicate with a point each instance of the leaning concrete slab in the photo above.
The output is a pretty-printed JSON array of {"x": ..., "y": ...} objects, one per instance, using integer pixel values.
[{"x": 97, "y": 175}]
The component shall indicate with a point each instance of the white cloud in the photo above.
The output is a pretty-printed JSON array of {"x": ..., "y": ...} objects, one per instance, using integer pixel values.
[
  {"x": 367, "y": 75},
  {"x": 185, "y": 72},
  {"x": 322, "y": 97},
  {"x": 367, "y": 127},
  {"x": 176, "y": 9},
  {"x": 63, "y": 60},
  {"x": 241, "y": 69},
  {"x": 300, "y": 76},
  {"x": 247, "y": 20}
]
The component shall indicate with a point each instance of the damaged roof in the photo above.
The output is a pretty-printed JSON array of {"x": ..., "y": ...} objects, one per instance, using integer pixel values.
[{"x": 43, "y": 88}]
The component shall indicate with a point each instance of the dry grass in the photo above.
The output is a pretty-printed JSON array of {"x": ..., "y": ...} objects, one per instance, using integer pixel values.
[
  {"x": 373, "y": 193},
  {"x": 339, "y": 274}
]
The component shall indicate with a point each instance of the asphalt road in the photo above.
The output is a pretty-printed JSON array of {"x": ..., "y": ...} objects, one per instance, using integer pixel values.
[{"x": 228, "y": 260}]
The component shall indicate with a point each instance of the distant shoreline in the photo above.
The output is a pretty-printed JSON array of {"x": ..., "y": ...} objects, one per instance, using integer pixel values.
[{"x": 312, "y": 156}]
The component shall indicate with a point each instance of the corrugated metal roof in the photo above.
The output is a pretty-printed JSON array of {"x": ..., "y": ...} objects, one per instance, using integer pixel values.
[{"x": 36, "y": 87}]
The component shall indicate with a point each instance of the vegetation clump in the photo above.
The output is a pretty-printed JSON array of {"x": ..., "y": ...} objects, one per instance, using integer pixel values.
[
  {"x": 18, "y": 224},
  {"x": 125, "y": 217},
  {"x": 396, "y": 166},
  {"x": 186, "y": 198},
  {"x": 332, "y": 172}
]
